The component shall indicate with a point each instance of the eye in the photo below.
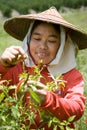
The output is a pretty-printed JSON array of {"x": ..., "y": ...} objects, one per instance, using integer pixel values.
[
  {"x": 37, "y": 39},
  {"x": 52, "y": 41}
]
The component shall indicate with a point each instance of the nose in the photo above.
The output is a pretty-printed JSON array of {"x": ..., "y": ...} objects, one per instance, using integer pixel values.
[{"x": 43, "y": 44}]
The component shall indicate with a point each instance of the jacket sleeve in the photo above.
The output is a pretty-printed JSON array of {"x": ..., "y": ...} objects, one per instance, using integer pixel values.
[
  {"x": 73, "y": 101},
  {"x": 10, "y": 73},
  {"x": 3, "y": 70}
]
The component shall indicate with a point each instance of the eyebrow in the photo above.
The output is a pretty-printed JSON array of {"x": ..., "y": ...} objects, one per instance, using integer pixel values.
[{"x": 52, "y": 35}]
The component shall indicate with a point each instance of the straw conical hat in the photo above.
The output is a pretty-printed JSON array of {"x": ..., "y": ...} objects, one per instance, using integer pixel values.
[{"x": 18, "y": 26}]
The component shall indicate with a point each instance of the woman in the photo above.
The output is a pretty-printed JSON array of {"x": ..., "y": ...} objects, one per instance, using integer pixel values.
[{"x": 48, "y": 38}]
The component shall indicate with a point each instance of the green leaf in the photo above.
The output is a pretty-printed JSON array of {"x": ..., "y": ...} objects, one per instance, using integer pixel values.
[
  {"x": 15, "y": 111},
  {"x": 55, "y": 127},
  {"x": 70, "y": 119},
  {"x": 56, "y": 120},
  {"x": 13, "y": 87},
  {"x": 68, "y": 128},
  {"x": 3, "y": 118},
  {"x": 61, "y": 127},
  {"x": 63, "y": 123},
  {"x": 2, "y": 95},
  {"x": 34, "y": 96},
  {"x": 50, "y": 123}
]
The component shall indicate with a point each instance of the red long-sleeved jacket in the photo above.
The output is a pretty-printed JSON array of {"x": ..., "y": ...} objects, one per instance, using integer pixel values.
[{"x": 70, "y": 102}]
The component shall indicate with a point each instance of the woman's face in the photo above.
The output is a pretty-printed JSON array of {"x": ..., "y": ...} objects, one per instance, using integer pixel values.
[{"x": 44, "y": 43}]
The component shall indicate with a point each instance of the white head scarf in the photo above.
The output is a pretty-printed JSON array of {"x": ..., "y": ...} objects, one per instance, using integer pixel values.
[{"x": 65, "y": 58}]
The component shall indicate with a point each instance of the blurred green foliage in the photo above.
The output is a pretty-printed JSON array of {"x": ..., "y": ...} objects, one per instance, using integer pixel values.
[{"x": 23, "y": 6}]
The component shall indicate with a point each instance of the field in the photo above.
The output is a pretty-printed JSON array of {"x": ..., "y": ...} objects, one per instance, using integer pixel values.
[{"x": 79, "y": 18}]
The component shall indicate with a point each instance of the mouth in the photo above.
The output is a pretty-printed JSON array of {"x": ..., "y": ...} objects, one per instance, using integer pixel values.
[{"x": 42, "y": 55}]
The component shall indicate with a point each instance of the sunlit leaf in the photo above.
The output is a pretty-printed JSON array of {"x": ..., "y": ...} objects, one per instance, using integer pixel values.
[
  {"x": 50, "y": 123},
  {"x": 61, "y": 127},
  {"x": 2, "y": 95},
  {"x": 15, "y": 111},
  {"x": 70, "y": 119},
  {"x": 34, "y": 96},
  {"x": 55, "y": 127}
]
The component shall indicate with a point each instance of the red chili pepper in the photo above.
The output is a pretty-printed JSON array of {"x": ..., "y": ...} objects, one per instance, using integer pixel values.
[{"x": 19, "y": 84}]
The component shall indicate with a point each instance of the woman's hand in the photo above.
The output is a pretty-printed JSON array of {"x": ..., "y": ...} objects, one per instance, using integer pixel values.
[
  {"x": 40, "y": 89},
  {"x": 41, "y": 92},
  {"x": 12, "y": 55}
]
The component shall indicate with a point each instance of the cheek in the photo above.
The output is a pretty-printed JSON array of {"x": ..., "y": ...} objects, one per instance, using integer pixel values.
[
  {"x": 32, "y": 48},
  {"x": 54, "y": 51}
]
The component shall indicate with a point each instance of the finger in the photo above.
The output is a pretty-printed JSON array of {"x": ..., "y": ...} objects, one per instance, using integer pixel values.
[
  {"x": 9, "y": 59},
  {"x": 7, "y": 56},
  {"x": 41, "y": 91},
  {"x": 17, "y": 51},
  {"x": 37, "y": 84},
  {"x": 20, "y": 51},
  {"x": 13, "y": 55}
]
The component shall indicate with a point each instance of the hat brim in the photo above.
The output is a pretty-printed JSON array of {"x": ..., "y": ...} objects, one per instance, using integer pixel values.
[{"x": 18, "y": 26}]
